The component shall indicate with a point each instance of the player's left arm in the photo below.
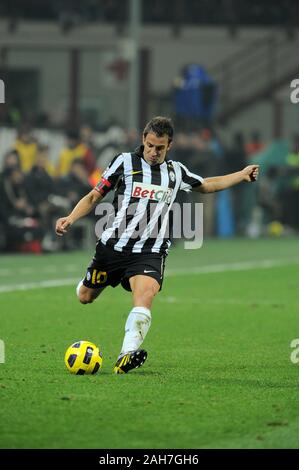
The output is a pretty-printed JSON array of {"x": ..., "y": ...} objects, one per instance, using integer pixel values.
[{"x": 218, "y": 183}]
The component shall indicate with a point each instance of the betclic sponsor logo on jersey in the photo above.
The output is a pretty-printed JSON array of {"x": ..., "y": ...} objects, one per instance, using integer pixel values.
[{"x": 152, "y": 192}]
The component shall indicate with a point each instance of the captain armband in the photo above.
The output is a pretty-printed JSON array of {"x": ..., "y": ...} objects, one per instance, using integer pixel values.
[{"x": 103, "y": 187}]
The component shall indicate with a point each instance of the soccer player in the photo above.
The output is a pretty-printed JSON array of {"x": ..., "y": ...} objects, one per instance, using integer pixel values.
[{"x": 146, "y": 184}]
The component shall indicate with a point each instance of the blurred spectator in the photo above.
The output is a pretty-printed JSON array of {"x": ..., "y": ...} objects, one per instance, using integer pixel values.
[
  {"x": 75, "y": 184},
  {"x": 11, "y": 160},
  {"x": 21, "y": 225},
  {"x": 210, "y": 151},
  {"x": 115, "y": 137},
  {"x": 39, "y": 183},
  {"x": 194, "y": 97},
  {"x": 73, "y": 187},
  {"x": 41, "y": 195},
  {"x": 235, "y": 159},
  {"x": 43, "y": 159},
  {"x": 26, "y": 147},
  {"x": 291, "y": 192},
  {"x": 255, "y": 144},
  {"x": 75, "y": 149},
  {"x": 269, "y": 195},
  {"x": 14, "y": 195},
  {"x": 184, "y": 150},
  {"x": 210, "y": 155},
  {"x": 87, "y": 138},
  {"x": 14, "y": 113},
  {"x": 293, "y": 164}
]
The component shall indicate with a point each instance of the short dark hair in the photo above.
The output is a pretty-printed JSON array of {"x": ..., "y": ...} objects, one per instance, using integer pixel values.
[{"x": 160, "y": 126}]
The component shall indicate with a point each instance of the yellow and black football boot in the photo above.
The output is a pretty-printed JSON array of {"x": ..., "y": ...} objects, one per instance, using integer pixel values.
[{"x": 129, "y": 361}]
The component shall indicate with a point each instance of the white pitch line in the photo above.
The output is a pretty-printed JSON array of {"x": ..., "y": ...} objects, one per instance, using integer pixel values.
[
  {"x": 177, "y": 300},
  {"x": 39, "y": 284},
  {"x": 51, "y": 268},
  {"x": 5, "y": 272},
  {"x": 239, "y": 266},
  {"x": 216, "y": 268}
]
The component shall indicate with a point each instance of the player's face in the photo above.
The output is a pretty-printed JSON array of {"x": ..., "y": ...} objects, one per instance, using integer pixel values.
[{"x": 155, "y": 148}]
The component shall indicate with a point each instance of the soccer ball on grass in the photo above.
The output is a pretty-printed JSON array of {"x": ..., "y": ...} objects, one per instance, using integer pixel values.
[{"x": 83, "y": 357}]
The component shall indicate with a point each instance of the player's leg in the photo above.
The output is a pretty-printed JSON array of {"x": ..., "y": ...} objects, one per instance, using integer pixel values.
[
  {"x": 144, "y": 289},
  {"x": 87, "y": 295}
]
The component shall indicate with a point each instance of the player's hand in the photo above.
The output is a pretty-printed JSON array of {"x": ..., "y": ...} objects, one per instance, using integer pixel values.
[
  {"x": 62, "y": 225},
  {"x": 250, "y": 173}
]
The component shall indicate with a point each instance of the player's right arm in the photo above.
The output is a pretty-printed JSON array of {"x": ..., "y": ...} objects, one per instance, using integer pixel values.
[{"x": 83, "y": 207}]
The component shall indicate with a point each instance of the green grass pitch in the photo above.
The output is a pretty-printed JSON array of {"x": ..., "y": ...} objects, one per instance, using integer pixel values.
[{"x": 218, "y": 374}]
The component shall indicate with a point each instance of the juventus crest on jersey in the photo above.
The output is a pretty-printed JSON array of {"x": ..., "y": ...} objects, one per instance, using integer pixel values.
[{"x": 144, "y": 195}]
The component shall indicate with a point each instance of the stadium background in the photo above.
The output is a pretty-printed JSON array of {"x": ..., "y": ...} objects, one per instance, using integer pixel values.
[{"x": 80, "y": 83}]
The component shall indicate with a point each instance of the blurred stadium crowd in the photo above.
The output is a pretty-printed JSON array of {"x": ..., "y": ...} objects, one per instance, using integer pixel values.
[{"x": 37, "y": 184}]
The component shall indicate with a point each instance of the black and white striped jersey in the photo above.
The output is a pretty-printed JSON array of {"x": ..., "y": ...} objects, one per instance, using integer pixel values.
[{"x": 144, "y": 195}]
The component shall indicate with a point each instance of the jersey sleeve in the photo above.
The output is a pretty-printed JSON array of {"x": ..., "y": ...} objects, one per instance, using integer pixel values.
[
  {"x": 111, "y": 175},
  {"x": 189, "y": 180}
]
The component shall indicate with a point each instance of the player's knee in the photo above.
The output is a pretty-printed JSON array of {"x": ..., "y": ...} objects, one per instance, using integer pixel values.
[
  {"x": 148, "y": 293},
  {"x": 153, "y": 289},
  {"x": 152, "y": 292},
  {"x": 85, "y": 298}
]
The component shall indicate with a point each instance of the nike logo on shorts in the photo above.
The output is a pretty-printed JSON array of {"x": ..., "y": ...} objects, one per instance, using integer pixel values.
[{"x": 145, "y": 271}]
